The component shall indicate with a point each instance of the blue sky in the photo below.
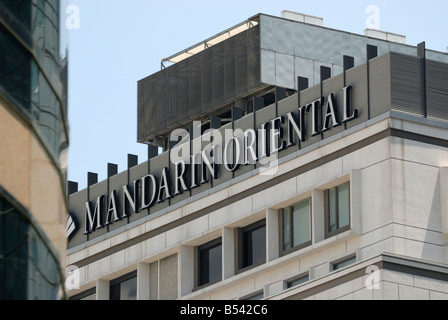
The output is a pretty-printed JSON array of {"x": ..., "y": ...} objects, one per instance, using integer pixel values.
[{"x": 120, "y": 42}]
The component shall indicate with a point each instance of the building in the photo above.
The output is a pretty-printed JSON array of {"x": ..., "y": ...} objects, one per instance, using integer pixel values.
[
  {"x": 33, "y": 144},
  {"x": 299, "y": 162}
]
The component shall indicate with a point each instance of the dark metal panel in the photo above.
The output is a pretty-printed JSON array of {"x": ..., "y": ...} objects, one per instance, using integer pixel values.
[
  {"x": 199, "y": 83},
  {"x": 115, "y": 183},
  {"x": 173, "y": 92},
  {"x": 380, "y": 85},
  {"x": 307, "y": 96},
  {"x": 201, "y": 143},
  {"x": 264, "y": 115},
  {"x": 229, "y": 69},
  {"x": 334, "y": 86},
  {"x": 147, "y": 106},
  {"x": 241, "y": 63},
  {"x": 184, "y": 91},
  {"x": 289, "y": 104},
  {"x": 244, "y": 123},
  {"x": 162, "y": 100},
  {"x": 254, "y": 58},
  {"x": 185, "y": 194},
  {"x": 195, "y": 85},
  {"x": 207, "y": 76},
  {"x": 437, "y": 90},
  {"x": 157, "y": 164},
  {"x": 136, "y": 173},
  {"x": 223, "y": 174},
  {"x": 357, "y": 78},
  {"x": 218, "y": 73},
  {"x": 95, "y": 191},
  {"x": 77, "y": 212},
  {"x": 406, "y": 82}
]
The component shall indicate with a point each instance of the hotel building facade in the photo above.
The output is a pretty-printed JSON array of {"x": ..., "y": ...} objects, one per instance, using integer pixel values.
[{"x": 299, "y": 162}]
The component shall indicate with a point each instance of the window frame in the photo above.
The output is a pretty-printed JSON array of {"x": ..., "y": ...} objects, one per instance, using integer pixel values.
[
  {"x": 292, "y": 248},
  {"x": 340, "y": 261},
  {"x": 206, "y": 246},
  {"x": 85, "y": 294},
  {"x": 296, "y": 278},
  {"x": 257, "y": 295},
  {"x": 338, "y": 230},
  {"x": 240, "y": 267},
  {"x": 120, "y": 280}
]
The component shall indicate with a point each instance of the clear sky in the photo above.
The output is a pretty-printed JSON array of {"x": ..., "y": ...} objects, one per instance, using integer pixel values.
[{"x": 119, "y": 42}]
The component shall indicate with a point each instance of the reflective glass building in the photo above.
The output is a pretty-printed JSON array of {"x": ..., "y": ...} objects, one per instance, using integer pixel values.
[{"x": 33, "y": 144}]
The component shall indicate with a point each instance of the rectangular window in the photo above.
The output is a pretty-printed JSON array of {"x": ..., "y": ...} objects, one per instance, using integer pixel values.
[
  {"x": 343, "y": 263},
  {"x": 252, "y": 248},
  {"x": 124, "y": 288},
  {"x": 210, "y": 262},
  {"x": 254, "y": 296},
  {"x": 86, "y": 295},
  {"x": 337, "y": 209},
  {"x": 298, "y": 280},
  {"x": 296, "y": 225}
]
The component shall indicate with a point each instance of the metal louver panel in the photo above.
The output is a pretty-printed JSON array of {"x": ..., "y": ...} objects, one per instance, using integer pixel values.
[
  {"x": 218, "y": 73},
  {"x": 195, "y": 85},
  {"x": 406, "y": 84},
  {"x": 207, "y": 76},
  {"x": 437, "y": 90},
  {"x": 253, "y": 59},
  {"x": 229, "y": 69},
  {"x": 241, "y": 63},
  {"x": 173, "y": 90},
  {"x": 184, "y": 92}
]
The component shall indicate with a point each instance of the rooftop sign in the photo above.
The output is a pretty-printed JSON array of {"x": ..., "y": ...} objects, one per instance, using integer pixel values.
[{"x": 194, "y": 166}]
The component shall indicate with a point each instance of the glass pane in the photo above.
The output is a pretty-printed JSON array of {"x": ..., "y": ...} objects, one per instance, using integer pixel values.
[
  {"x": 298, "y": 281},
  {"x": 215, "y": 263},
  {"x": 302, "y": 223},
  {"x": 257, "y": 296},
  {"x": 89, "y": 297},
  {"x": 210, "y": 264},
  {"x": 258, "y": 240},
  {"x": 343, "y": 205},
  {"x": 114, "y": 293},
  {"x": 344, "y": 263},
  {"x": 286, "y": 229},
  {"x": 128, "y": 289},
  {"x": 332, "y": 210},
  {"x": 204, "y": 267}
]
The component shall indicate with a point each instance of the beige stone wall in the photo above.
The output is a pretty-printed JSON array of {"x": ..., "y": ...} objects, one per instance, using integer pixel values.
[{"x": 29, "y": 175}]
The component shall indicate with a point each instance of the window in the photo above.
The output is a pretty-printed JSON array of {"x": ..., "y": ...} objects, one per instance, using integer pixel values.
[
  {"x": 210, "y": 262},
  {"x": 337, "y": 209},
  {"x": 298, "y": 280},
  {"x": 296, "y": 225},
  {"x": 254, "y": 296},
  {"x": 252, "y": 248},
  {"x": 86, "y": 295},
  {"x": 343, "y": 263},
  {"x": 28, "y": 265},
  {"x": 124, "y": 288}
]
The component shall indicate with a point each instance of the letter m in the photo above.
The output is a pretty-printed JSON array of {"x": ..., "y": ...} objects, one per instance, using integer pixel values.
[{"x": 90, "y": 220}]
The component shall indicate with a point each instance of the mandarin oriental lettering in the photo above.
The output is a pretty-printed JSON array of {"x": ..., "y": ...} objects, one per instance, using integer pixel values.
[{"x": 192, "y": 166}]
